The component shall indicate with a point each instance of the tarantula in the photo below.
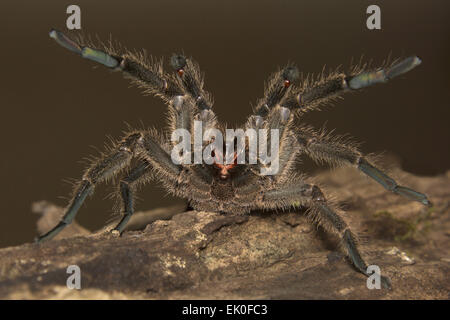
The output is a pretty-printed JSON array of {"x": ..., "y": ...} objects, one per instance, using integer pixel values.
[{"x": 233, "y": 187}]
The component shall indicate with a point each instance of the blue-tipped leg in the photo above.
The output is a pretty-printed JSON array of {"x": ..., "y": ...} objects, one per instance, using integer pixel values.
[
  {"x": 369, "y": 78},
  {"x": 83, "y": 191},
  {"x": 64, "y": 41},
  {"x": 100, "y": 57},
  {"x": 390, "y": 184},
  {"x": 86, "y": 52}
]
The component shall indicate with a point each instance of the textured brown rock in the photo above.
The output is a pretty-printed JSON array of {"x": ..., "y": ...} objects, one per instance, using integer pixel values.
[{"x": 265, "y": 255}]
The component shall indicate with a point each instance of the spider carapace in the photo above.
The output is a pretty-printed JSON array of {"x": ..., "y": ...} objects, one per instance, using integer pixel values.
[{"x": 233, "y": 188}]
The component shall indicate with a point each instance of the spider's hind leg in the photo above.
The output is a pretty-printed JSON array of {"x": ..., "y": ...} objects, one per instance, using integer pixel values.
[
  {"x": 127, "y": 186},
  {"x": 323, "y": 214},
  {"x": 390, "y": 184},
  {"x": 322, "y": 147},
  {"x": 101, "y": 170}
]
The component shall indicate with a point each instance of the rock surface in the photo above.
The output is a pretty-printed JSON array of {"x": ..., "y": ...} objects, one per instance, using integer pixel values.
[{"x": 205, "y": 255}]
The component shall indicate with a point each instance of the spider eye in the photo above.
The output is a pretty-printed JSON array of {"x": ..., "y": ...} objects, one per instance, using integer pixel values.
[
  {"x": 290, "y": 74},
  {"x": 178, "y": 62}
]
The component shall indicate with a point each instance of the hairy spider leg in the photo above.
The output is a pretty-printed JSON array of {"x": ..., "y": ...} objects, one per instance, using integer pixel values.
[
  {"x": 323, "y": 214},
  {"x": 101, "y": 170},
  {"x": 314, "y": 94},
  {"x": 270, "y": 114},
  {"x": 281, "y": 99},
  {"x": 187, "y": 84},
  {"x": 127, "y": 186},
  {"x": 133, "y": 145},
  {"x": 322, "y": 147},
  {"x": 278, "y": 86}
]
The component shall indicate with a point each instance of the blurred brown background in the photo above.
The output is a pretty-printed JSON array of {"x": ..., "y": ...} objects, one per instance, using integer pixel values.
[{"x": 55, "y": 105}]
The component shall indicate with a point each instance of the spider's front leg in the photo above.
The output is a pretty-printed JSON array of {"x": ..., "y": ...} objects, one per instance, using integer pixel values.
[
  {"x": 322, "y": 213},
  {"x": 322, "y": 147},
  {"x": 187, "y": 84},
  {"x": 315, "y": 93}
]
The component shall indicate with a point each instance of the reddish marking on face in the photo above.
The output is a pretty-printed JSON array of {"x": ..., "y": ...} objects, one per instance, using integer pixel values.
[
  {"x": 287, "y": 83},
  {"x": 180, "y": 72},
  {"x": 224, "y": 173}
]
